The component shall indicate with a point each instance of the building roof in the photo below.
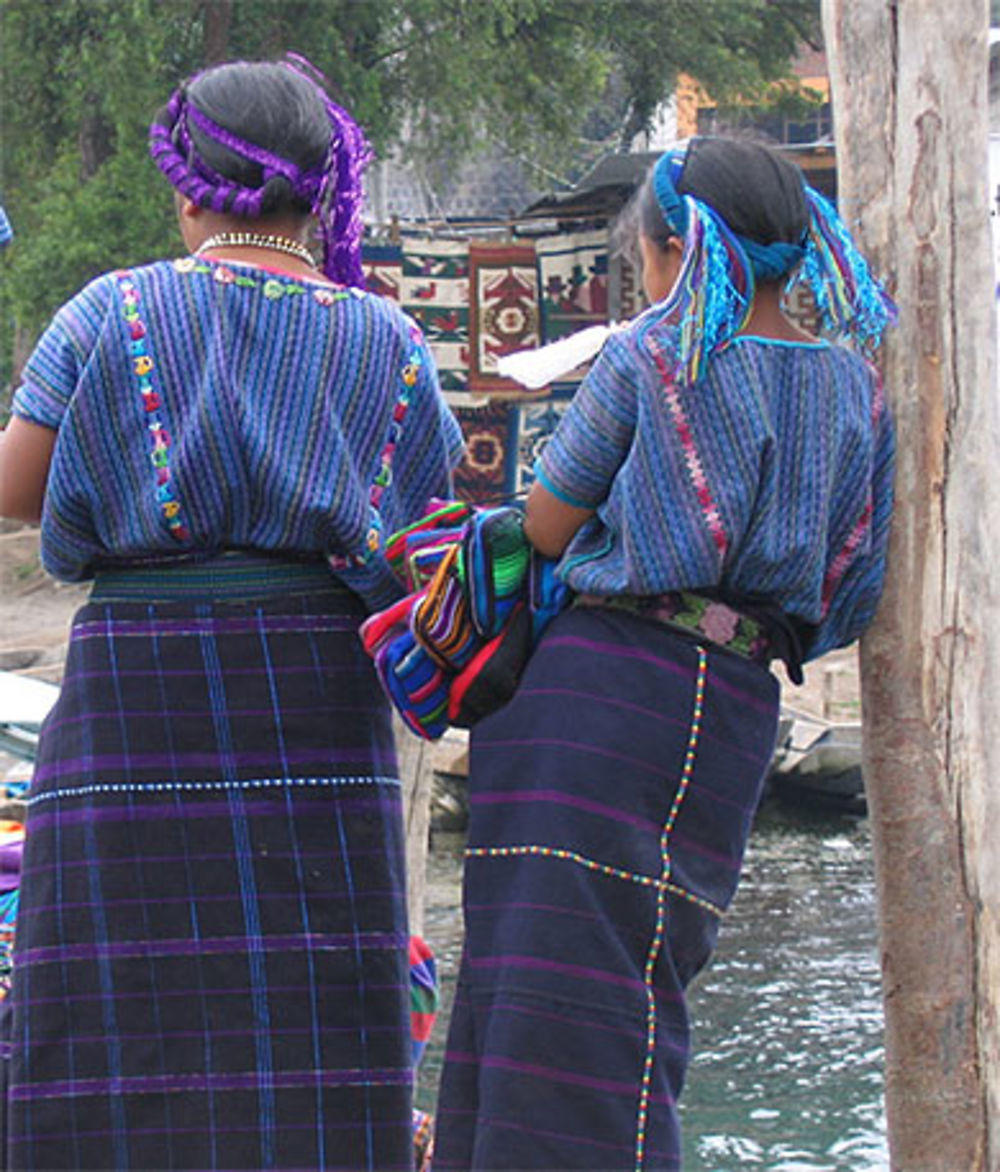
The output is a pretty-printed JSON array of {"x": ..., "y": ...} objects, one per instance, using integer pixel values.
[
  {"x": 608, "y": 186},
  {"x": 601, "y": 193}
]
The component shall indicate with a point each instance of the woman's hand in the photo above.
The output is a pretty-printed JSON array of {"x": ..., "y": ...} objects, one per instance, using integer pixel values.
[
  {"x": 549, "y": 523},
  {"x": 25, "y": 455}
]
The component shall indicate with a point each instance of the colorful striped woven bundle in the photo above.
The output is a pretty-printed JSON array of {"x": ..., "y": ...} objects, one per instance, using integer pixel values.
[
  {"x": 495, "y": 556},
  {"x": 424, "y": 999},
  {"x": 416, "y": 685},
  {"x": 424, "y": 1002},
  {"x": 450, "y": 652},
  {"x": 441, "y": 619},
  {"x": 11, "y": 848},
  {"x": 407, "y": 550}
]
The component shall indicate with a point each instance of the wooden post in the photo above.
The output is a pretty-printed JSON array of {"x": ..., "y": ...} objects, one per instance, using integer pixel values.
[
  {"x": 417, "y": 774},
  {"x": 910, "y": 103}
]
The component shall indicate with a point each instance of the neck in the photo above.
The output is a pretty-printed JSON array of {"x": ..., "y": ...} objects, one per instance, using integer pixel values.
[
  {"x": 245, "y": 245},
  {"x": 768, "y": 320}
]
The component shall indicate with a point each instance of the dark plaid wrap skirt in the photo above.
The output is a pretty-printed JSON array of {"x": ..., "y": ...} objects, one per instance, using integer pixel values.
[
  {"x": 211, "y": 958},
  {"x": 610, "y": 806}
]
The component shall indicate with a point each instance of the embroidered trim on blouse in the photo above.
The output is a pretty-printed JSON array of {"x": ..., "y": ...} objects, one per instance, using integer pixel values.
[
  {"x": 272, "y": 288},
  {"x": 152, "y": 401},
  {"x": 695, "y": 467}
]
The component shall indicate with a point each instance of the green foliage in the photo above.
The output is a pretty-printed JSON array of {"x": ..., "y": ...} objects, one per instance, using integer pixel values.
[{"x": 81, "y": 80}]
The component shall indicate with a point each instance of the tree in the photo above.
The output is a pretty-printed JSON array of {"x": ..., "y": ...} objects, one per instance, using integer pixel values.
[
  {"x": 81, "y": 79},
  {"x": 909, "y": 88}
]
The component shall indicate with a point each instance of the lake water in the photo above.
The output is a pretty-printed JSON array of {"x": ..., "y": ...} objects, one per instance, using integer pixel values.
[{"x": 787, "y": 1073}]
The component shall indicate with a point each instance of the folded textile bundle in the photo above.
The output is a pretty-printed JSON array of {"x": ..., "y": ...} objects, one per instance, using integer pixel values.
[
  {"x": 453, "y": 649},
  {"x": 495, "y": 557},
  {"x": 492, "y": 676},
  {"x": 423, "y": 1010},
  {"x": 440, "y": 618},
  {"x": 413, "y": 552}
]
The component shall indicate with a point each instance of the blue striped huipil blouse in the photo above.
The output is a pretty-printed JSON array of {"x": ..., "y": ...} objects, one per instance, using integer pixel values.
[
  {"x": 770, "y": 479},
  {"x": 202, "y": 406}
]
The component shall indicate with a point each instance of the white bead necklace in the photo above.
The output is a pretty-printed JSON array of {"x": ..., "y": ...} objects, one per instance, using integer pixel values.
[{"x": 256, "y": 240}]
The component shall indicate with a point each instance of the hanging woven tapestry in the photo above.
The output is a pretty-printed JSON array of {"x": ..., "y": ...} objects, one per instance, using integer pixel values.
[
  {"x": 573, "y": 279},
  {"x": 503, "y": 285},
  {"x": 801, "y": 308},
  {"x": 382, "y": 265},
  {"x": 486, "y": 475},
  {"x": 631, "y": 297},
  {"x": 435, "y": 290},
  {"x": 536, "y": 422}
]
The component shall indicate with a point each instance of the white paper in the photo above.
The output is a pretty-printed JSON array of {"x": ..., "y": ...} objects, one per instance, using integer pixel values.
[{"x": 537, "y": 368}]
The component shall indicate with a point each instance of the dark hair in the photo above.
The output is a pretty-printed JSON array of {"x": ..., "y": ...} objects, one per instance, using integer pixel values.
[
  {"x": 271, "y": 106},
  {"x": 758, "y": 193},
  {"x": 256, "y": 139}
]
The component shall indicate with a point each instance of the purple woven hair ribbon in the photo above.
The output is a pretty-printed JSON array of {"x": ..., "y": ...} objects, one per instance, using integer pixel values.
[
  {"x": 304, "y": 183},
  {"x": 338, "y": 202},
  {"x": 333, "y": 189}
]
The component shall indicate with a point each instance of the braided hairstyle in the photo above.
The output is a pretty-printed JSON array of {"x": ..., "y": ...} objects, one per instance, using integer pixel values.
[{"x": 261, "y": 139}]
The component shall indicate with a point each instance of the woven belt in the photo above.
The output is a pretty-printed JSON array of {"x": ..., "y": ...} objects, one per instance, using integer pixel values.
[
  {"x": 231, "y": 576},
  {"x": 693, "y": 614}
]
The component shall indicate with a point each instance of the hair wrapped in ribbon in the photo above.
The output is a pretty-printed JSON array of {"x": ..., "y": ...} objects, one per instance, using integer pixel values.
[
  {"x": 746, "y": 216},
  {"x": 330, "y": 189},
  {"x": 713, "y": 292},
  {"x": 341, "y": 192},
  {"x": 851, "y": 301}
]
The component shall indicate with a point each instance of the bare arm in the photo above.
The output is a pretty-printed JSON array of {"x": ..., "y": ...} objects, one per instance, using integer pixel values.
[
  {"x": 549, "y": 523},
  {"x": 25, "y": 455}
]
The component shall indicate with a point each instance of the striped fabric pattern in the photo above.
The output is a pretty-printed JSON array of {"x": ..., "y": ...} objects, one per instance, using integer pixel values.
[
  {"x": 770, "y": 478},
  {"x": 211, "y": 967},
  {"x": 610, "y": 804},
  {"x": 274, "y": 401}
]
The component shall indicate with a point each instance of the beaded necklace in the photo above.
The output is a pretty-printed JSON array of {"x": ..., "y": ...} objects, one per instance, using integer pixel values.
[{"x": 256, "y": 240}]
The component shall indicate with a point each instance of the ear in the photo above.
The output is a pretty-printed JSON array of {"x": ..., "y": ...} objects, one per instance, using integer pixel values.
[{"x": 187, "y": 209}]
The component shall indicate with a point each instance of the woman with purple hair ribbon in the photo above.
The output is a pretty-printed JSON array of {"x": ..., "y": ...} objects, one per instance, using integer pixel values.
[{"x": 211, "y": 960}]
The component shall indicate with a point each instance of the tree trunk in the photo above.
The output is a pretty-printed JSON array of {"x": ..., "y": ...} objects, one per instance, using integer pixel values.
[
  {"x": 217, "y": 16},
  {"x": 95, "y": 139},
  {"x": 910, "y": 99}
]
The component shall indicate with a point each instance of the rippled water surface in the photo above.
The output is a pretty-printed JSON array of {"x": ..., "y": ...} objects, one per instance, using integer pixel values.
[{"x": 787, "y": 1073}]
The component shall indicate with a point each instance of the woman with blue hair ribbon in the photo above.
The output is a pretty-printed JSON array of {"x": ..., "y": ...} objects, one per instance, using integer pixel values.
[{"x": 718, "y": 495}]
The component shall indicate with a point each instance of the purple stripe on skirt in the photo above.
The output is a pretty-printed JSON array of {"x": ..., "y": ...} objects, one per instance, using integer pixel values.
[
  {"x": 214, "y": 978},
  {"x": 569, "y": 1038}
]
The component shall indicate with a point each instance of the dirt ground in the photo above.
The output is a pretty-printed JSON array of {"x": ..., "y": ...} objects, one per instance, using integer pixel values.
[{"x": 35, "y": 611}]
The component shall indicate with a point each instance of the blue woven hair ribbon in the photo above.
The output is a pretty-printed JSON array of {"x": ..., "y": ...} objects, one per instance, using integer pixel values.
[
  {"x": 713, "y": 294},
  {"x": 714, "y": 290},
  {"x": 852, "y": 302},
  {"x": 768, "y": 261}
]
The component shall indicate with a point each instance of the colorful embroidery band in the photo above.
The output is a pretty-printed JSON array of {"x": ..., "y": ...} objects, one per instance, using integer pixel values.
[{"x": 144, "y": 369}]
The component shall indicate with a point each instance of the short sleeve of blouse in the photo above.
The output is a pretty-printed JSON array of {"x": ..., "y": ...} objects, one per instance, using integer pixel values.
[
  {"x": 592, "y": 440},
  {"x": 52, "y": 372}
]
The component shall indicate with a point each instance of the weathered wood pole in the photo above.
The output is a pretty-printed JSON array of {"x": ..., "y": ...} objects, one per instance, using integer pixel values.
[
  {"x": 910, "y": 103},
  {"x": 417, "y": 775}
]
